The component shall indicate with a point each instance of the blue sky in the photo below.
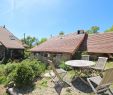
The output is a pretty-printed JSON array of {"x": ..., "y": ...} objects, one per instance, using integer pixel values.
[{"x": 41, "y": 18}]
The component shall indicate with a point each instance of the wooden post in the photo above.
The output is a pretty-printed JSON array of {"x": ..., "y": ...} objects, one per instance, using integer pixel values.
[{"x": 11, "y": 55}]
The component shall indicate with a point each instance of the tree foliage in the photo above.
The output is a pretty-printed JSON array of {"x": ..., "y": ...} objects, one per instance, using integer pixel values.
[
  {"x": 110, "y": 29},
  {"x": 30, "y": 41},
  {"x": 61, "y": 33},
  {"x": 93, "y": 29},
  {"x": 42, "y": 40}
]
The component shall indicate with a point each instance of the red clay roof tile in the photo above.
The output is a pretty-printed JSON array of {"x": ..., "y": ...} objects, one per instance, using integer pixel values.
[
  {"x": 61, "y": 44},
  {"x": 9, "y": 40},
  {"x": 100, "y": 43}
]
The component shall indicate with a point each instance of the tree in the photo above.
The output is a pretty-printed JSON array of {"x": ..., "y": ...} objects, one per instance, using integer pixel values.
[
  {"x": 89, "y": 32},
  {"x": 110, "y": 29},
  {"x": 61, "y": 33},
  {"x": 93, "y": 29},
  {"x": 30, "y": 41},
  {"x": 42, "y": 40}
]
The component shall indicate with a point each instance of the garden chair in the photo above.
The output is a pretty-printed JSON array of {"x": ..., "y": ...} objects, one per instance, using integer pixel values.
[
  {"x": 59, "y": 73},
  {"x": 99, "y": 84},
  {"x": 100, "y": 65},
  {"x": 85, "y": 57}
]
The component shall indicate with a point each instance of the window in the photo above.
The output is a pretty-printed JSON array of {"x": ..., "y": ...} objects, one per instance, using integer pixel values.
[{"x": 12, "y": 37}]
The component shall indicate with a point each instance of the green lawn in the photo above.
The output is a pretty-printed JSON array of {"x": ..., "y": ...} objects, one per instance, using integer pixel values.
[{"x": 109, "y": 65}]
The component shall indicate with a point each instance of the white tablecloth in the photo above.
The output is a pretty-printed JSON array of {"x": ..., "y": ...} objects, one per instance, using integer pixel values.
[{"x": 80, "y": 63}]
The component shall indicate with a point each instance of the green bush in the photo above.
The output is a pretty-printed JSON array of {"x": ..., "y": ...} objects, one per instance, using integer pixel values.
[
  {"x": 35, "y": 69},
  {"x": 64, "y": 66},
  {"x": 26, "y": 54},
  {"x": 9, "y": 68},
  {"x": 41, "y": 68},
  {"x": 77, "y": 55},
  {"x": 3, "y": 79},
  {"x": 2, "y": 70},
  {"x": 37, "y": 66},
  {"x": 23, "y": 75}
]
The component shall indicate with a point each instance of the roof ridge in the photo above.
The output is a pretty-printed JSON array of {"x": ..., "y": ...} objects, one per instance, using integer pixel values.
[
  {"x": 66, "y": 35},
  {"x": 6, "y": 39},
  {"x": 100, "y": 33}
]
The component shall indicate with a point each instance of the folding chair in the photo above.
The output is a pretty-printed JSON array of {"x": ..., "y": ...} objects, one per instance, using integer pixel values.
[
  {"x": 99, "y": 84},
  {"x": 100, "y": 65},
  {"x": 59, "y": 73}
]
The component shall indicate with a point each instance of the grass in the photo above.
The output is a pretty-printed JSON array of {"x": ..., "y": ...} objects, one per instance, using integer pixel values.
[
  {"x": 43, "y": 83},
  {"x": 71, "y": 73},
  {"x": 109, "y": 65}
]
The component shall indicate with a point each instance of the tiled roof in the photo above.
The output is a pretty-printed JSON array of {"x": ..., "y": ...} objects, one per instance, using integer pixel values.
[
  {"x": 9, "y": 40},
  {"x": 61, "y": 44},
  {"x": 100, "y": 43}
]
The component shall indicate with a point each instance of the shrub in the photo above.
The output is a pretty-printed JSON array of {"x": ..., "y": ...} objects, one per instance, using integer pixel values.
[
  {"x": 9, "y": 68},
  {"x": 41, "y": 67},
  {"x": 23, "y": 75},
  {"x": 35, "y": 69},
  {"x": 77, "y": 55},
  {"x": 2, "y": 70},
  {"x": 26, "y": 54},
  {"x": 9, "y": 60},
  {"x": 3, "y": 79},
  {"x": 64, "y": 66},
  {"x": 84, "y": 53},
  {"x": 37, "y": 66}
]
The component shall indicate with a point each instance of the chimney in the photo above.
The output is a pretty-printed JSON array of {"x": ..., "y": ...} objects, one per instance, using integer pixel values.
[
  {"x": 80, "y": 32},
  {"x": 4, "y": 26}
]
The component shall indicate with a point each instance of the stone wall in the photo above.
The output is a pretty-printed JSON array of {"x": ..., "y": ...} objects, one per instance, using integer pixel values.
[
  {"x": 62, "y": 57},
  {"x": 57, "y": 58}
]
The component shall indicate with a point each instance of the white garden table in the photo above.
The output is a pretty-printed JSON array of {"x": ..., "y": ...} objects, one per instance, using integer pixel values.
[{"x": 81, "y": 64}]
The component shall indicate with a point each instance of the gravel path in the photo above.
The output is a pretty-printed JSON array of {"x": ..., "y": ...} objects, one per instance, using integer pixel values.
[
  {"x": 2, "y": 90},
  {"x": 49, "y": 89}
]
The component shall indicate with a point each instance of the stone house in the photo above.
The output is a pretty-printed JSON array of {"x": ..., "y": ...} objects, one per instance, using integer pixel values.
[
  {"x": 60, "y": 47},
  {"x": 68, "y": 46},
  {"x": 10, "y": 46}
]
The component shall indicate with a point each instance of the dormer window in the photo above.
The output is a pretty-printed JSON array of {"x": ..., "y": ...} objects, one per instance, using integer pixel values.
[{"x": 12, "y": 37}]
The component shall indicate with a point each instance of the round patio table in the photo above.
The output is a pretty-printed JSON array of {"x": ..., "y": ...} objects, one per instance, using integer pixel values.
[
  {"x": 82, "y": 64},
  {"x": 79, "y": 63}
]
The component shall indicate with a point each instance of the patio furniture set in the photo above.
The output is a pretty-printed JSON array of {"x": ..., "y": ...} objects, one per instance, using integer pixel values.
[{"x": 99, "y": 83}]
